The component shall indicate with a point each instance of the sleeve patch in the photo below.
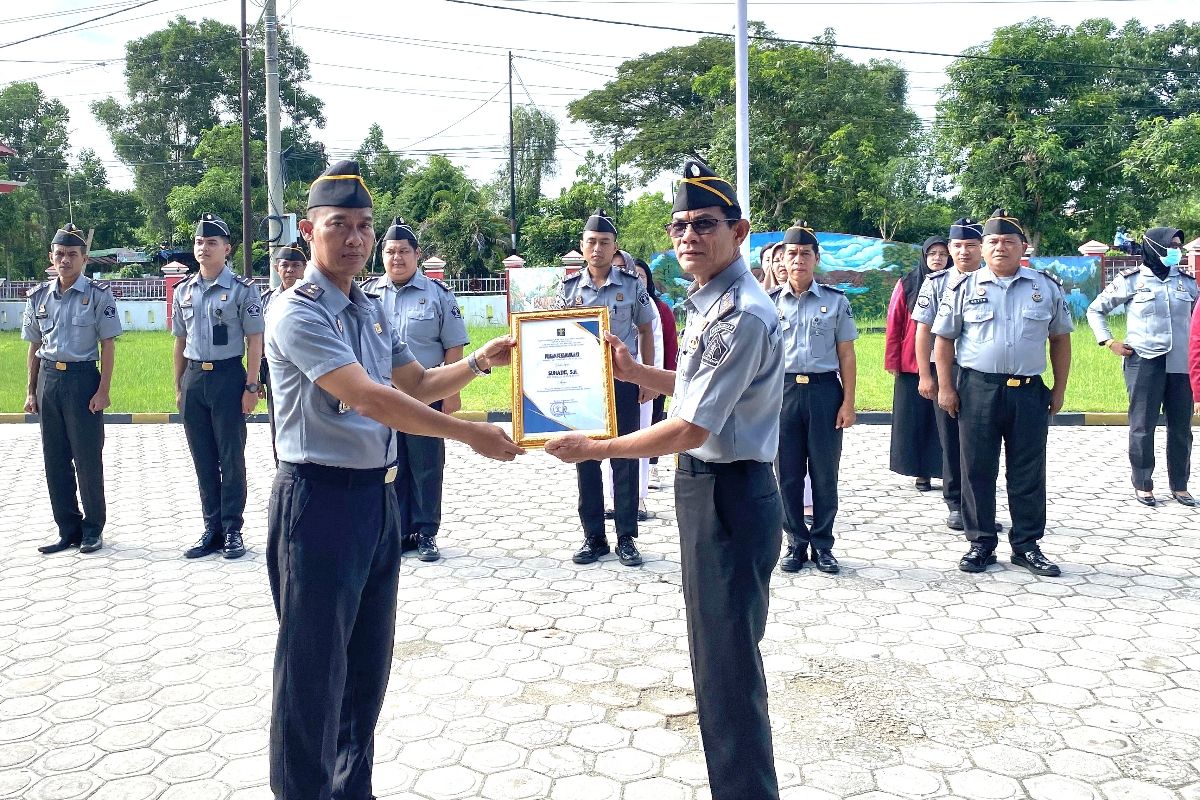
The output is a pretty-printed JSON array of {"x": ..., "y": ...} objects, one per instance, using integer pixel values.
[
  {"x": 923, "y": 301},
  {"x": 718, "y": 346},
  {"x": 455, "y": 311},
  {"x": 254, "y": 309},
  {"x": 110, "y": 312}
]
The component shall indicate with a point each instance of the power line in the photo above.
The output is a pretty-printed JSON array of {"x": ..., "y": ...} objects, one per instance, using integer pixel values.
[
  {"x": 78, "y": 24},
  {"x": 66, "y": 13},
  {"x": 463, "y": 118},
  {"x": 819, "y": 43}
]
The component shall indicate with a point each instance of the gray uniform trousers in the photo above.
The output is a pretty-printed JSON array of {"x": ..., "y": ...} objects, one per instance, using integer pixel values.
[
  {"x": 72, "y": 447},
  {"x": 1151, "y": 388}
]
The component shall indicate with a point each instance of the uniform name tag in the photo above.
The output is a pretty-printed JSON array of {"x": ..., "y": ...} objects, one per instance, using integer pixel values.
[{"x": 976, "y": 300}]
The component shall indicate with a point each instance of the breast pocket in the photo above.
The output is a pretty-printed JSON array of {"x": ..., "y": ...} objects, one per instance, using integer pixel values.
[
  {"x": 82, "y": 327},
  {"x": 1143, "y": 305},
  {"x": 421, "y": 325},
  {"x": 1035, "y": 323},
  {"x": 821, "y": 326},
  {"x": 979, "y": 323},
  {"x": 621, "y": 319}
]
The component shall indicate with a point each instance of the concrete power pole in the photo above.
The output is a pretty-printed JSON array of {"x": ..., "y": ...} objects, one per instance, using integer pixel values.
[
  {"x": 742, "y": 117},
  {"x": 274, "y": 165}
]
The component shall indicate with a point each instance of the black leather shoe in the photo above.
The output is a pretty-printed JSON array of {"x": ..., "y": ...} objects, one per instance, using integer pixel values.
[
  {"x": 627, "y": 552},
  {"x": 954, "y": 521},
  {"x": 977, "y": 559},
  {"x": 207, "y": 544},
  {"x": 826, "y": 562},
  {"x": 793, "y": 559},
  {"x": 1184, "y": 498},
  {"x": 999, "y": 527},
  {"x": 408, "y": 542},
  {"x": 234, "y": 548},
  {"x": 923, "y": 484},
  {"x": 60, "y": 545},
  {"x": 1035, "y": 562},
  {"x": 427, "y": 549},
  {"x": 808, "y": 520},
  {"x": 91, "y": 543},
  {"x": 1146, "y": 499},
  {"x": 592, "y": 549}
]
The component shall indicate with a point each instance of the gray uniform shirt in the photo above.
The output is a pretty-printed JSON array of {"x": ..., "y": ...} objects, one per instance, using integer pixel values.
[
  {"x": 730, "y": 375},
  {"x": 230, "y": 300},
  {"x": 811, "y": 326},
  {"x": 629, "y": 305},
  {"x": 313, "y": 329},
  {"x": 999, "y": 329},
  {"x": 930, "y": 296},
  {"x": 1157, "y": 313},
  {"x": 425, "y": 315},
  {"x": 70, "y": 326}
]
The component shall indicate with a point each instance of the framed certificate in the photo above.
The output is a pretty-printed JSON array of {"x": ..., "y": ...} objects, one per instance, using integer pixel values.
[{"x": 562, "y": 375}]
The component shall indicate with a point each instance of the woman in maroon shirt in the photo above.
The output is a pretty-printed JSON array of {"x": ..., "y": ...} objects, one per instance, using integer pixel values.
[{"x": 916, "y": 450}]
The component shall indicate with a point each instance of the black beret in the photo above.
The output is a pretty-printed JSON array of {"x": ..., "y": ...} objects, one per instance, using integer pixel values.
[
  {"x": 211, "y": 225},
  {"x": 966, "y": 228},
  {"x": 70, "y": 236},
  {"x": 600, "y": 222},
  {"x": 401, "y": 231},
  {"x": 1001, "y": 223},
  {"x": 701, "y": 188},
  {"x": 800, "y": 233},
  {"x": 341, "y": 186},
  {"x": 290, "y": 252}
]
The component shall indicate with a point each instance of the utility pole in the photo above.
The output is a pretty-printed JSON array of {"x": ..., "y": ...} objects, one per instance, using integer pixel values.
[
  {"x": 274, "y": 167},
  {"x": 741, "y": 77},
  {"x": 247, "y": 232},
  {"x": 512, "y": 160}
]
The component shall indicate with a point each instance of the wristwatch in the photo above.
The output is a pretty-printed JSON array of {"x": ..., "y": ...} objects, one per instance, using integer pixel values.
[
  {"x": 252, "y": 388},
  {"x": 1106, "y": 343},
  {"x": 473, "y": 363}
]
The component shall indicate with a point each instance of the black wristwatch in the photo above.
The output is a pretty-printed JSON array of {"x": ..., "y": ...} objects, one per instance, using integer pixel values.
[
  {"x": 252, "y": 388},
  {"x": 1105, "y": 343}
]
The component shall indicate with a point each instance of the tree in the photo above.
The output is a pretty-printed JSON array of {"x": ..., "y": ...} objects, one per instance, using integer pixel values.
[
  {"x": 114, "y": 215},
  {"x": 557, "y": 227},
  {"x": 535, "y": 141},
  {"x": 1042, "y": 131},
  {"x": 641, "y": 226},
  {"x": 821, "y": 124},
  {"x": 1165, "y": 156},
  {"x": 184, "y": 80},
  {"x": 35, "y": 126},
  {"x": 382, "y": 169}
]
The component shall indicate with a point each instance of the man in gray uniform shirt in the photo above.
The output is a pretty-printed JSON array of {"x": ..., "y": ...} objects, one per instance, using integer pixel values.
[
  {"x": 69, "y": 322},
  {"x": 995, "y": 322},
  {"x": 217, "y": 318},
  {"x": 426, "y": 317},
  {"x": 724, "y": 424},
  {"x": 333, "y": 546}
]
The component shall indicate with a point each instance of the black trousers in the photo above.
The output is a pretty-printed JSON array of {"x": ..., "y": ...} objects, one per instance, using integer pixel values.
[
  {"x": 947, "y": 428},
  {"x": 991, "y": 412},
  {"x": 264, "y": 378},
  {"x": 1151, "y": 389},
  {"x": 915, "y": 448},
  {"x": 625, "y": 475},
  {"x": 809, "y": 444},
  {"x": 333, "y": 559},
  {"x": 216, "y": 434},
  {"x": 72, "y": 449},
  {"x": 419, "y": 481},
  {"x": 729, "y": 535}
]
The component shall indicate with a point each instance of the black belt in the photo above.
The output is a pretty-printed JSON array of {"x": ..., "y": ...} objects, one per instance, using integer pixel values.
[
  {"x": 69, "y": 366},
  {"x": 340, "y": 476},
  {"x": 1012, "y": 381},
  {"x": 686, "y": 463},
  {"x": 210, "y": 366},
  {"x": 811, "y": 377}
]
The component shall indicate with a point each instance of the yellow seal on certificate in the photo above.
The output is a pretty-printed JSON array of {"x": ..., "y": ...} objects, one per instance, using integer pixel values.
[{"x": 562, "y": 375}]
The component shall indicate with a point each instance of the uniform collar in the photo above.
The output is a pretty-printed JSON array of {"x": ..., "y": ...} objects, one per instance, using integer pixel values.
[
  {"x": 985, "y": 274},
  {"x": 613, "y": 272},
  {"x": 814, "y": 288},
  {"x": 224, "y": 278},
  {"x": 703, "y": 298},
  {"x": 80, "y": 285},
  {"x": 333, "y": 298},
  {"x": 1146, "y": 272},
  {"x": 417, "y": 281}
]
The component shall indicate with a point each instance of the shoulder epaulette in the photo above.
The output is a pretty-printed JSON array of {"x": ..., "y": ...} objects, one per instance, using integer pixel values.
[
  {"x": 1129, "y": 273},
  {"x": 309, "y": 290},
  {"x": 940, "y": 275},
  {"x": 1187, "y": 271},
  {"x": 833, "y": 288},
  {"x": 265, "y": 293},
  {"x": 371, "y": 295},
  {"x": 441, "y": 283},
  {"x": 1050, "y": 276},
  {"x": 728, "y": 303},
  {"x": 103, "y": 286},
  {"x": 957, "y": 280},
  {"x": 244, "y": 281},
  {"x": 574, "y": 277},
  {"x": 628, "y": 270},
  {"x": 35, "y": 289}
]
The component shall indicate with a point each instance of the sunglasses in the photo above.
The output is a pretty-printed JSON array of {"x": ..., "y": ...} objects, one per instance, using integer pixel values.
[{"x": 702, "y": 226}]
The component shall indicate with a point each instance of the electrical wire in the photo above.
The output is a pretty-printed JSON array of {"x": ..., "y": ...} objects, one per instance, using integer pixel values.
[{"x": 74, "y": 25}]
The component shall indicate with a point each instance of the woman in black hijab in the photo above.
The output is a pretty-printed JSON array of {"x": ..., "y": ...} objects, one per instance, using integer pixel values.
[
  {"x": 915, "y": 450},
  {"x": 1158, "y": 299}
]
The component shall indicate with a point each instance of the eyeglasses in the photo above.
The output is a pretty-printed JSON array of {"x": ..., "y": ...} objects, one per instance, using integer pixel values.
[{"x": 702, "y": 226}]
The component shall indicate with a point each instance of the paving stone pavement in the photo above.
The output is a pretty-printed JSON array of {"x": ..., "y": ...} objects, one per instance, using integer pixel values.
[{"x": 134, "y": 674}]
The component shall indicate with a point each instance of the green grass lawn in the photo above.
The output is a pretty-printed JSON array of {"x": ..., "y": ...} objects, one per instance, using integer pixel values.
[{"x": 143, "y": 374}]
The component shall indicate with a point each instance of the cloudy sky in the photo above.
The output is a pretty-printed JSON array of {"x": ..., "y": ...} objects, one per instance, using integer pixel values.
[{"x": 434, "y": 73}]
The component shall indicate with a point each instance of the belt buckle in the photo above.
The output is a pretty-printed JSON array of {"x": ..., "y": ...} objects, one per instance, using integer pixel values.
[
  {"x": 61, "y": 366},
  {"x": 1013, "y": 382},
  {"x": 390, "y": 475},
  {"x": 677, "y": 461},
  {"x": 802, "y": 379},
  {"x": 207, "y": 366}
]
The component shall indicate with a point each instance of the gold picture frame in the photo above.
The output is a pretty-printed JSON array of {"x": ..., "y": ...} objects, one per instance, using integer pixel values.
[{"x": 562, "y": 377}]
